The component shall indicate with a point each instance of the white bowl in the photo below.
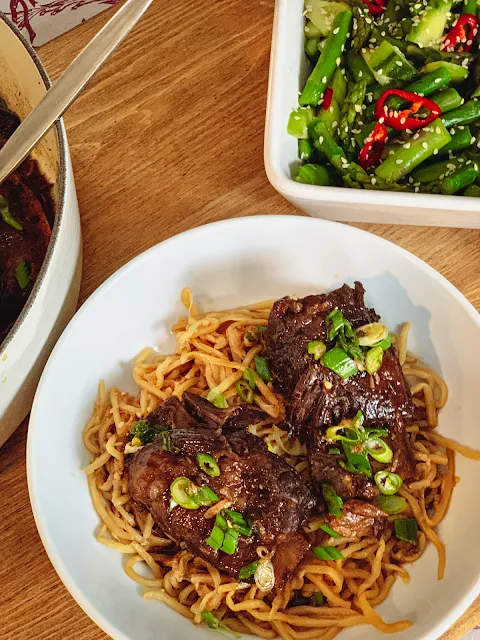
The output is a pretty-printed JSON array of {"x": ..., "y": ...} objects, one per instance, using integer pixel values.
[
  {"x": 23, "y": 353},
  {"x": 226, "y": 264},
  {"x": 288, "y": 72}
]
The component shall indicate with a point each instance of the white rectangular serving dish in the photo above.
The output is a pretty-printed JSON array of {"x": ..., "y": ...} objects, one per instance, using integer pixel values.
[{"x": 289, "y": 68}]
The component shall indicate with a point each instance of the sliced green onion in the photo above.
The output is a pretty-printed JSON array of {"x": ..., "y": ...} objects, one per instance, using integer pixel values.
[
  {"x": 388, "y": 483},
  {"x": 215, "y": 539},
  {"x": 265, "y": 576},
  {"x": 208, "y": 464},
  {"x": 327, "y": 553},
  {"x": 330, "y": 532},
  {"x": 249, "y": 376},
  {"x": 203, "y": 496},
  {"x": 261, "y": 365},
  {"x": 339, "y": 362},
  {"x": 385, "y": 344},
  {"x": 221, "y": 522},
  {"x": 319, "y": 598},
  {"x": 392, "y": 504},
  {"x": 173, "y": 504},
  {"x": 213, "y": 622},
  {"x": 334, "y": 323},
  {"x": 22, "y": 274},
  {"x": 357, "y": 422},
  {"x": 348, "y": 435},
  {"x": 245, "y": 393},
  {"x": 406, "y": 529},
  {"x": 334, "y": 451},
  {"x": 334, "y": 503},
  {"x": 235, "y": 517},
  {"x": 379, "y": 450},
  {"x": 230, "y": 541},
  {"x": 179, "y": 491},
  {"x": 217, "y": 399},
  {"x": 370, "y": 335},
  {"x": 248, "y": 570},
  {"x": 316, "y": 348},
  {"x": 373, "y": 360},
  {"x": 245, "y": 529},
  {"x": 261, "y": 328},
  {"x": 8, "y": 217},
  {"x": 357, "y": 461}
]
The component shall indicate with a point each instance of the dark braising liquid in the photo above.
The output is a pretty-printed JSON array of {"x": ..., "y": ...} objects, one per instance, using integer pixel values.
[{"x": 26, "y": 221}]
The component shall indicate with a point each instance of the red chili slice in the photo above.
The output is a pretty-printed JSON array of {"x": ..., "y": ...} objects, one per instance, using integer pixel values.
[
  {"x": 327, "y": 99},
  {"x": 406, "y": 119},
  {"x": 374, "y": 146},
  {"x": 457, "y": 39},
  {"x": 376, "y": 7}
]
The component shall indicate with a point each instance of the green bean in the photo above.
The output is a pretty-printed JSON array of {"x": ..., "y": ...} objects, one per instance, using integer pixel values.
[
  {"x": 468, "y": 112},
  {"x": 469, "y": 6},
  {"x": 463, "y": 177},
  {"x": 328, "y": 61},
  {"x": 299, "y": 121},
  {"x": 306, "y": 150},
  {"x": 461, "y": 139},
  {"x": 428, "y": 30},
  {"x": 447, "y": 100},
  {"x": 433, "y": 172},
  {"x": 421, "y": 146},
  {"x": 313, "y": 174},
  {"x": 358, "y": 67},
  {"x": 458, "y": 72},
  {"x": 473, "y": 191}
]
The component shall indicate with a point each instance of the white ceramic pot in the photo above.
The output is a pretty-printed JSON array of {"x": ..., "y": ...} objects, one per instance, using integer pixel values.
[{"x": 23, "y": 82}]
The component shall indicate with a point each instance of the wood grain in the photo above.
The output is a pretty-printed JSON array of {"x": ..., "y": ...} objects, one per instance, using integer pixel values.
[{"x": 168, "y": 136}]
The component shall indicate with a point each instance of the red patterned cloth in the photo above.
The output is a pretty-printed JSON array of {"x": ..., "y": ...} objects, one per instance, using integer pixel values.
[{"x": 43, "y": 20}]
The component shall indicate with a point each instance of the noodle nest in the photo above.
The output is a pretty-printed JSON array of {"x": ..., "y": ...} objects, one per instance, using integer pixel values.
[{"x": 212, "y": 352}]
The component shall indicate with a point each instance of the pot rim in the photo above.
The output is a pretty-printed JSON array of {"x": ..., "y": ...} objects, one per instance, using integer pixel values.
[{"x": 60, "y": 202}]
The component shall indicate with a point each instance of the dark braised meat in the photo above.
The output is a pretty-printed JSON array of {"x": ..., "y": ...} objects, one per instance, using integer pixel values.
[
  {"x": 26, "y": 197},
  {"x": 294, "y": 323},
  {"x": 359, "y": 519},
  {"x": 257, "y": 483},
  {"x": 238, "y": 417},
  {"x": 317, "y": 397}
]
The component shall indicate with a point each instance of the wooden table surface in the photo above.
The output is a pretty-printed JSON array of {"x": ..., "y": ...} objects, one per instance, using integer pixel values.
[{"x": 168, "y": 136}]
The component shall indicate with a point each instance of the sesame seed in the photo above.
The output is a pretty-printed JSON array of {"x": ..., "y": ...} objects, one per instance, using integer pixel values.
[
  {"x": 358, "y": 108},
  {"x": 472, "y": 140},
  {"x": 435, "y": 151},
  {"x": 324, "y": 79},
  {"x": 338, "y": 60},
  {"x": 407, "y": 145},
  {"x": 417, "y": 189},
  {"x": 335, "y": 31},
  {"x": 320, "y": 139},
  {"x": 438, "y": 130},
  {"x": 424, "y": 145},
  {"x": 334, "y": 124},
  {"x": 437, "y": 80},
  {"x": 399, "y": 63},
  {"x": 399, "y": 161},
  {"x": 374, "y": 181}
]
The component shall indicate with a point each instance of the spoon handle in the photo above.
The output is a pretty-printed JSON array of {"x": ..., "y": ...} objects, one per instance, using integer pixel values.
[{"x": 72, "y": 81}]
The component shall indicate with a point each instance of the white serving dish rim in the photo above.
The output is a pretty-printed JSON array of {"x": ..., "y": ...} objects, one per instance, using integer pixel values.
[{"x": 60, "y": 201}]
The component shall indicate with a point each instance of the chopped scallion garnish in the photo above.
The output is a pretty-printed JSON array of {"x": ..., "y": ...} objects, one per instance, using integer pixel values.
[
  {"x": 407, "y": 529},
  {"x": 208, "y": 464},
  {"x": 316, "y": 348},
  {"x": 327, "y": 553},
  {"x": 248, "y": 571},
  {"x": 379, "y": 450},
  {"x": 215, "y": 623},
  {"x": 261, "y": 365},
  {"x": 249, "y": 376},
  {"x": 245, "y": 392},
  {"x": 334, "y": 503},
  {"x": 230, "y": 541},
  {"x": 319, "y": 598},
  {"x": 373, "y": 360},
  {"x": 217, "y": 399},
  {"x": 388, "y": 483},
  {"x": 330, "y": 532},
  {"x": 392, "y": 504},
  {"x": 339, "y": 362},
  {"x": 8, "y": 218},
  {"x": 22, "y": 273}
]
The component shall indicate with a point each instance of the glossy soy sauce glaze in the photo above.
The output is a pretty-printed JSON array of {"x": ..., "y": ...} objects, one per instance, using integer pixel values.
[{"x": 26, "y": 221}]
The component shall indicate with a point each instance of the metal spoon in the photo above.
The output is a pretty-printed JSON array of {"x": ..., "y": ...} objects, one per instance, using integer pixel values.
[{"x": 70, "y": 84}]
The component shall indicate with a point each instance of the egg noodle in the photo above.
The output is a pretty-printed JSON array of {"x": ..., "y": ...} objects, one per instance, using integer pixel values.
[{"x": 212, "y": 351}]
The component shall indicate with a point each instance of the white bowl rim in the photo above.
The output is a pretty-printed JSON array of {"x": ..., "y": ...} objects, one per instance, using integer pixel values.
[
  {"x": 342, "y": 195},
  {"x": 61, "y": 200},
  {"x": 82, "y": 600}
]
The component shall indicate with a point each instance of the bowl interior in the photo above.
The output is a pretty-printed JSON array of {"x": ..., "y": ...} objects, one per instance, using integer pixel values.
[
  {"x": 22, "y": 87},
  {"x": 226, "y": 264}
]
